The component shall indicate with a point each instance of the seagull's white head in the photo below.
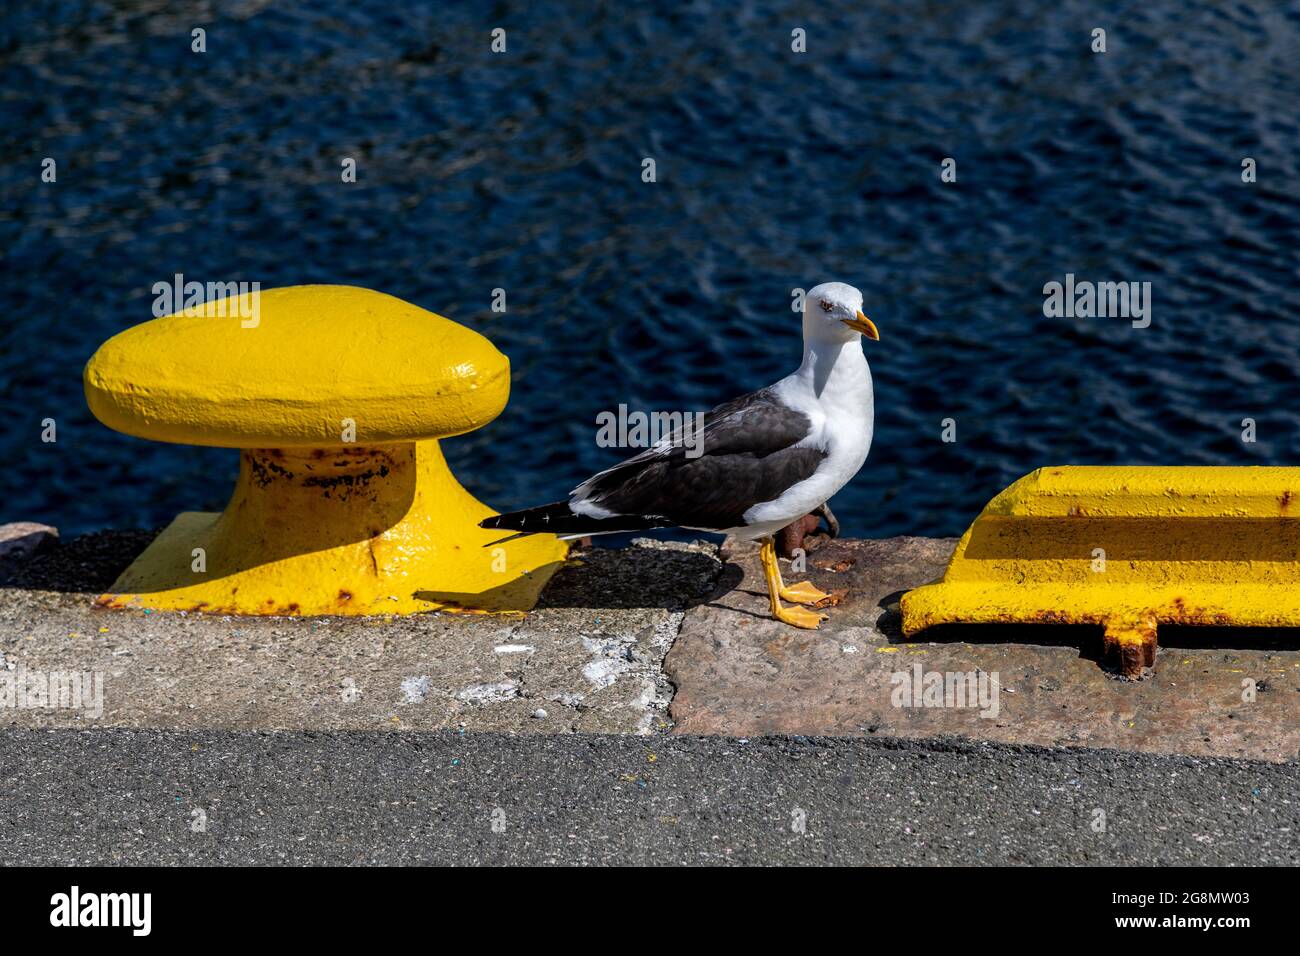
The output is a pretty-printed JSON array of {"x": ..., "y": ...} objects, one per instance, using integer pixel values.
[{"x": 832, "y": 312}]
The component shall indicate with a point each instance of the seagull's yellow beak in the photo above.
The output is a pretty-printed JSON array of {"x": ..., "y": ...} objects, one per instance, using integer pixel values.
[{"x": 864, "y": 325}]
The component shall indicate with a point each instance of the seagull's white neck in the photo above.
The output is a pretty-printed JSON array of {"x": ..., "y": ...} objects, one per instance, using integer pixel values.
[{"x": 834, "y": 366}]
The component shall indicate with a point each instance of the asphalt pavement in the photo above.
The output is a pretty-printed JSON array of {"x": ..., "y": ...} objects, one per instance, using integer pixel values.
[{"x": 128, "y": 796}]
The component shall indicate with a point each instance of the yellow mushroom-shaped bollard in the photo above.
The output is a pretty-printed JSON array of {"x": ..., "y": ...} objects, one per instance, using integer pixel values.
[{"x": 336, "y": 397}]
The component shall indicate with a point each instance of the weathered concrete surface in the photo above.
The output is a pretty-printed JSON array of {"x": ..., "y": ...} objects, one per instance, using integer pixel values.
[
  {"x": 589, "y": 659},
  {"x": 740, "y": 673}
]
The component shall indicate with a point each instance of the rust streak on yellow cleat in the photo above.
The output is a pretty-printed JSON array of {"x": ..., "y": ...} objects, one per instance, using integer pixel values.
[
  {"x": 1127, "y": 548},
  {"x": 318, "y": 523}
]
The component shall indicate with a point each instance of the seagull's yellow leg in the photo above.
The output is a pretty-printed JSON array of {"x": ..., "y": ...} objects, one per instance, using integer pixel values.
[
  {"x": 795, "y": 616},
  {"x": 805, "y": 592}
]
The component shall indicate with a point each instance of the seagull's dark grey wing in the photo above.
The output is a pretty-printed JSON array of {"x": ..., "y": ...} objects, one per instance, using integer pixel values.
[{"x": 748, "y": 453}]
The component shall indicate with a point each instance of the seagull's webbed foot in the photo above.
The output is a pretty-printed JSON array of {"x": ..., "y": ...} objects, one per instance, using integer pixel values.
[
  {"x": 799, "y": 617},
  {"x": 804, "y": 592},
  {"x": 794, "y": 616}
]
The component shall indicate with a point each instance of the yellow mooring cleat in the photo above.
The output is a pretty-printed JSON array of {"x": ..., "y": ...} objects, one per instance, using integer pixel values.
[
  {"x": 1127, "y": 548},
  {"x": 336, "y": 397}
]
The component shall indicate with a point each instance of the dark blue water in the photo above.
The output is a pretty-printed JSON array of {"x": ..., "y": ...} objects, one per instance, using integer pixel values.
[{"x": 776, "y": 170}]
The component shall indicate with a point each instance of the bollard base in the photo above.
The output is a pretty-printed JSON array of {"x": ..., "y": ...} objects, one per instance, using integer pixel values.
[{"x": 350, "y": 531}]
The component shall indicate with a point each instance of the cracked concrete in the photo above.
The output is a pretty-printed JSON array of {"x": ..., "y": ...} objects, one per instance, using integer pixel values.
[
  {"x": 655, "y": 638},
  {"x": 588, "y": 659}
]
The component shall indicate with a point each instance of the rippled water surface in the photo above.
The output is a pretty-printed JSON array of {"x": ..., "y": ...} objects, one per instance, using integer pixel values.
[{"x": 776, "y": 170}]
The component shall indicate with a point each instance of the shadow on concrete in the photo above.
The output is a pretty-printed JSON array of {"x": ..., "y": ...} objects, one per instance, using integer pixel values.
[
  {"x": 87, "y": 564},
  {"x": 1087, "y": 637},
  {"x": 511, "y": 596},
  {"x": 1187, "y": 637},
  {"x": 596, "y": 577},
  {"x": 638, "y": 577}
]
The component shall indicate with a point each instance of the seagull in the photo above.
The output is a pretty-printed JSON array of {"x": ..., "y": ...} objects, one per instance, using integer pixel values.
[{"x": 759, "y": 462}]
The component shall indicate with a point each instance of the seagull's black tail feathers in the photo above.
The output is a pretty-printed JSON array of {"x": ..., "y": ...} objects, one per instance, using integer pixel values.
[{"x": 558, "y": 518}]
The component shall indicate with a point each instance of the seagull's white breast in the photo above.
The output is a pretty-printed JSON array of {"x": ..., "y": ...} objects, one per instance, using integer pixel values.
[{"x": 834, "y": 391}]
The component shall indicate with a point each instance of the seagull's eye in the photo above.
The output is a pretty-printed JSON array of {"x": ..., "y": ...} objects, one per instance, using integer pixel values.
[{"x": 826, "y": 306}]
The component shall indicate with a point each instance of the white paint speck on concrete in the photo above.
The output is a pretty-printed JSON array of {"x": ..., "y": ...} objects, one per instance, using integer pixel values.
[
  {"x": 603, "y": 672},
  {"x": 488, "y": 693},
  {"x": 415, "y": 690},
  {"x": 645, "y": 702},
  {"x": 610, "y": 659},
  {"x": 514, "y": 649}
]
